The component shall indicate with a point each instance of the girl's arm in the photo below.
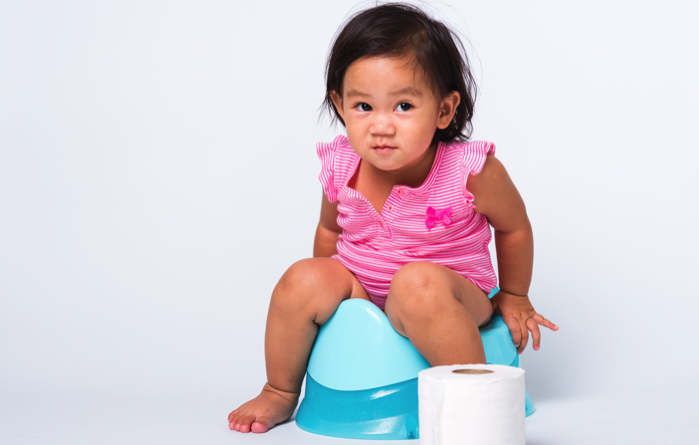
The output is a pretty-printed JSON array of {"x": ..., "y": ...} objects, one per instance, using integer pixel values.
[
  {"x": 497, "y": 198},
  {"x": 328, "y": 230}
]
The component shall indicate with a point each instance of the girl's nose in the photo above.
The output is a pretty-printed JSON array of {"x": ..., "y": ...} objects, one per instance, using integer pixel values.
[{"x": 382, "y": 125}]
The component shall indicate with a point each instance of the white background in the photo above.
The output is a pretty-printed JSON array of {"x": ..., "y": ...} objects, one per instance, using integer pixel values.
[{"x": 158, "y": 174}]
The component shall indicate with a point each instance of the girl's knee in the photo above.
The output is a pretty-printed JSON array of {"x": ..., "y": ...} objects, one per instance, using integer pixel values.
[
  {"x": 295, "y": 288},
  {"x": 297, "y": 277},
  {"x": 417, "y": 287},
  {"x": 312, "y": 287}
]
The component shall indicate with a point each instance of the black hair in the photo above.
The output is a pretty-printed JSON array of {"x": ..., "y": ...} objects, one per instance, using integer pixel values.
[{"x": 398, "y": 29}]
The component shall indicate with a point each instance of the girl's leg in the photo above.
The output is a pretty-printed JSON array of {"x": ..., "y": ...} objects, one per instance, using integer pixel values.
[
  {"x": 439, "y": 311},
  {"x": 306, "y": 296}
]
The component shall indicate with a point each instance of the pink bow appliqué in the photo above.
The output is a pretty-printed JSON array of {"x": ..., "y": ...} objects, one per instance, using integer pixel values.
[{"x": 434, "y": 215}]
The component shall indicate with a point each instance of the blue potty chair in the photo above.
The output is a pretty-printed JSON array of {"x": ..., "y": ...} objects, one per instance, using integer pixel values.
[{"x": 361, "y": 381}]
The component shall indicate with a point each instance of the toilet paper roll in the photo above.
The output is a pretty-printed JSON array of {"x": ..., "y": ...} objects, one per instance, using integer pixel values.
[{"x": 471, "y": 404}]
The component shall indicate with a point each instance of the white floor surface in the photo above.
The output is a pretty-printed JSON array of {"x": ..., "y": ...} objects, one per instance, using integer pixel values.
[{"x": 77, "y": 419}]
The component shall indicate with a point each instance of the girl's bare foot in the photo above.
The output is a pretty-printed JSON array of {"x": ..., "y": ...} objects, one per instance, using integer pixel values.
[{"x": 258, "y": 415}]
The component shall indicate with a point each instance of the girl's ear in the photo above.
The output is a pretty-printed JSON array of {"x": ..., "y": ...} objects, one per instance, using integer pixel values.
[
  {"x": 447, "y": 109},
  {"x": 337, "y": 101}
]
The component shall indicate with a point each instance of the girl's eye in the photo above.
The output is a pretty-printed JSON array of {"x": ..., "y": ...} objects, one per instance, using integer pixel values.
[
  {"x": 403, "y": 106},
  {"x": 363, "y": 107}
]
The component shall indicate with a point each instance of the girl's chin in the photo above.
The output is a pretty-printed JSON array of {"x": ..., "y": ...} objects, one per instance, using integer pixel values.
[
  {"x": 389, "y": 167},
  {"x": 389, "y": 160}
]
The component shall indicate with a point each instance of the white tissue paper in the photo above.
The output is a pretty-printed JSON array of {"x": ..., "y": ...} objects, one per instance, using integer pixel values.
[{"x": 471, "y": 408}]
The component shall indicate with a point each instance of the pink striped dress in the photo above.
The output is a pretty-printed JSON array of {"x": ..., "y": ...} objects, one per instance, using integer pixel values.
[{"x": 435, "y": 222}]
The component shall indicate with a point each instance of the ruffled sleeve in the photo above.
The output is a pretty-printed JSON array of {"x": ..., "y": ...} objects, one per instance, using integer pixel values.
[
  {"x": 326, "y": 154},
  {"x": 475, "y": 154}
]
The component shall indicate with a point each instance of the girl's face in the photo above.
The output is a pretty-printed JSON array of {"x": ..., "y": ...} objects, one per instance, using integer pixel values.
[{"x": 391, "y": 112}]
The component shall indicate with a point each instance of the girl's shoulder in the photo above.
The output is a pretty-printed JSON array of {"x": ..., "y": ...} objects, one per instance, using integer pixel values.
[
  {"x": 337, "y": 161},
  {"x": 339, "y": 151},
  {"x": 337, "y": 154},
  {"x": 470, "y": 155},
  {"x": 474, "y": 147},
  {"x": 340, "y": 143}
]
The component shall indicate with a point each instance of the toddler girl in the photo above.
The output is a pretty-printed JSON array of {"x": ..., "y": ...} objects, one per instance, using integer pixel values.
[{"x": 406, "y": 211}]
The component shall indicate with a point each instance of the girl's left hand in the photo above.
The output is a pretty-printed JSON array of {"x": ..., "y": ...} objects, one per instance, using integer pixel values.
[{"x": 519, "y": 315}]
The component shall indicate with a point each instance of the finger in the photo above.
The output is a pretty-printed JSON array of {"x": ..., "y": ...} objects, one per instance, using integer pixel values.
[
  {"x": 515, "y": 331},
  {"x": 525, "y": 337},
  {"x": 536, "y": 334},
  {"x": 544, "y": 322}
]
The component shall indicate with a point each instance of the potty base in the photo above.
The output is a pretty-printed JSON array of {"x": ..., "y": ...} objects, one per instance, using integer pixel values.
[{"x": 386, "y": 413}]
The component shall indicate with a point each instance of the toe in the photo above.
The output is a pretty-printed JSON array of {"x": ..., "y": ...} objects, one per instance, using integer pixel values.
[
  {"x": 261, "y": 425},
  {"x": 232, "y": 416},
  {"x": 245, "y": 423}
]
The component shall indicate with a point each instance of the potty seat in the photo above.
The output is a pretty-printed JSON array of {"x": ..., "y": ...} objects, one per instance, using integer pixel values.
[{"x": 361, "y": 380}]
